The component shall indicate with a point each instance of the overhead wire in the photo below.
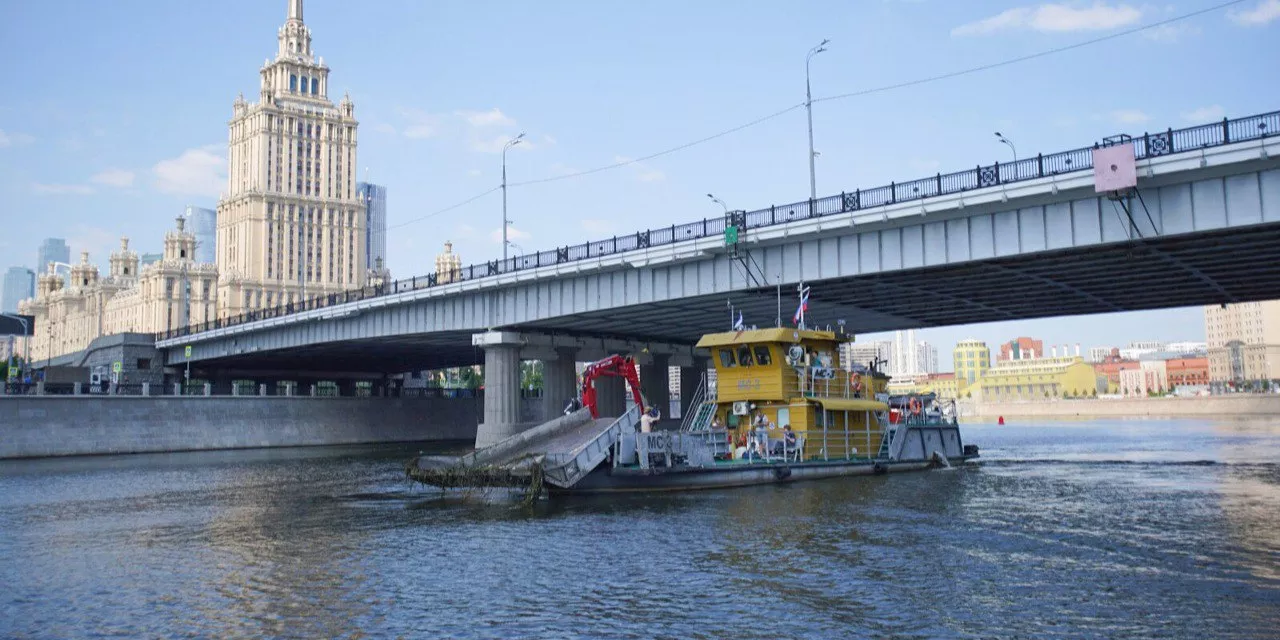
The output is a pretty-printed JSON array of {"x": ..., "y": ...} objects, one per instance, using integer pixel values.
[{"x": 841, "y": 96}]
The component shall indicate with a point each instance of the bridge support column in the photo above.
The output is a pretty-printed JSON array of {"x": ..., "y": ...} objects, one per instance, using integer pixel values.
[
  {"x": 611, "y": 397},
  {"x": 690, "y": 379},
  {"x": 559, "y": 382},
  {"x": 501, "y": 386},
  {"x": 655, "y": 384}
]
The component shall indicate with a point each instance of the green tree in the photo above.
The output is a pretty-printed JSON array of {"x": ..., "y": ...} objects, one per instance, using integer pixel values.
[
  {"x": 531, "y": 375},
  {"x": 468, "y": 378}
]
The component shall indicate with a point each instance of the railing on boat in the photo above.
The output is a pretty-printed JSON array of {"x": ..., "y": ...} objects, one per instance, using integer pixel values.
[{"x": 829, "y": 383}]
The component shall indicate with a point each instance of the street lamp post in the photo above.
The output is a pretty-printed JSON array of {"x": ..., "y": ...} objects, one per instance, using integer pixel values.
[
  {"x": 719, "y": 202},
  {"x": 808, "y": 105},
  {"x": 510, "y": 143},
  {"x": 1001, "y": 138}
]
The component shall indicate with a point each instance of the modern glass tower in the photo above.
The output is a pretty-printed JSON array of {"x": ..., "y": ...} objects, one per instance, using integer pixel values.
[
  {"x": 204, "y": 224},
  {"x": 19, "y": 284},
  {"x": 375, "y": 237},
  {"x": 52, "y": 250}
]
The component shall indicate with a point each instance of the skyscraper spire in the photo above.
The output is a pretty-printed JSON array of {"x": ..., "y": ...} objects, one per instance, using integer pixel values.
[{"x": 295, "y": 10}]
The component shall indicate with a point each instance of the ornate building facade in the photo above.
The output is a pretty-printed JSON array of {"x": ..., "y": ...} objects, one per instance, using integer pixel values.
[
  {"x": 292, "y": 225},
  {"x": 448, "y": 265},
  {"x": 71, "y": 313}
]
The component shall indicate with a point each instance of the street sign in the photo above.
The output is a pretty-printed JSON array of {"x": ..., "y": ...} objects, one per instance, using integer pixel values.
[
  {"x": 730, "y": 235},
  {"x": 186, "y": 351},
  {"x": 116, "y": 366},
  {"x": 13, "y": 373}
]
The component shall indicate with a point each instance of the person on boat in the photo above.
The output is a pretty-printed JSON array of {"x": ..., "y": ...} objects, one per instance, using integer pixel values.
[
  {"x": 573, "y": 405},
  {"x": 717, "y": 423},
  {"x": 649, "y": 417}
]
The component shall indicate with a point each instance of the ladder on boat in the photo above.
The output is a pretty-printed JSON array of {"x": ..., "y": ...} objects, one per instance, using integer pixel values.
[{"x": 699, "y": 419}]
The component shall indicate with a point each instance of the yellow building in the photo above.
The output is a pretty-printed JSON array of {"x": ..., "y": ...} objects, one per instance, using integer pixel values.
[
  {"x": 972, "y": 360},
  {"x": 944, "y": 385},
  {"x": 1038, "y": 379},
  {"x": 131, "y": 299}
]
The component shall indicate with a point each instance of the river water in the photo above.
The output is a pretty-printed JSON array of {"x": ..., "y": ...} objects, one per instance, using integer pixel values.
[{"x": 1109, "y": 529}]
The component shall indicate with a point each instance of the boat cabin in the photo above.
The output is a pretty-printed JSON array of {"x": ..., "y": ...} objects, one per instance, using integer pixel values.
[{"x": 770, "y": 379}]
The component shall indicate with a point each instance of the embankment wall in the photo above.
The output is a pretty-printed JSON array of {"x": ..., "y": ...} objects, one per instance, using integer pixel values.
[
  {"x": 40, "y": 426},
  {"x": 1216, "y": 406}
]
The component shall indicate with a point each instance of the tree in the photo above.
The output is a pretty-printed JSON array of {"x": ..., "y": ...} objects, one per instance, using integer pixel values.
[
  {"x": 1094, "y": 393},
  {"x": 968, "y": 394},
  {"x": 469, "y": 379},
  {"x": 531, "y": 375}
]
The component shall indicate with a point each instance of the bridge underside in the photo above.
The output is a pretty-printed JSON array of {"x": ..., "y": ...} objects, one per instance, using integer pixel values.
[{"x": 1240, "y": 264}]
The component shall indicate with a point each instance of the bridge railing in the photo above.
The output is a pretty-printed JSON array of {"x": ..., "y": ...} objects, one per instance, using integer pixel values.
[{"x": 1148, "y": 145}]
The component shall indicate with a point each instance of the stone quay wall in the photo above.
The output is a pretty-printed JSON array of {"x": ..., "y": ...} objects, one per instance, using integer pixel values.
[{"x": 43, "y": 426}]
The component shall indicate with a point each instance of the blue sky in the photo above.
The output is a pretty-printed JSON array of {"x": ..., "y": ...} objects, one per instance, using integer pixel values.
[{"x": 113, "y": 115}]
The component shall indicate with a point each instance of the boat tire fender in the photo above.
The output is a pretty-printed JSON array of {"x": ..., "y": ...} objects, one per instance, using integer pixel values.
[
  {"x": 782, "y": 473},
  {"x": 879, "y": 469}
]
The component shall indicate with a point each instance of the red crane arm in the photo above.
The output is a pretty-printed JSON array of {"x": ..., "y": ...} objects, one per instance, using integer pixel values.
[{"x": 612, "y": 366}]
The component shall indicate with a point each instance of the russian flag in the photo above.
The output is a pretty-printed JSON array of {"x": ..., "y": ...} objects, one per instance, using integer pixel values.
[{"x": 804, "y": 306}]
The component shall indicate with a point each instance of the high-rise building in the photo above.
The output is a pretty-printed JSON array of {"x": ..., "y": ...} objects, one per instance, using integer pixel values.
[
  {"x": 864, "y": 353},
  {"x": 926, "y": 358},
  {"x": 19, "y": 284},
  {"x": 291, "y": 225},
  {"x": 1099, "y": 354},
  {"x": 203, "y": 223},
  {"x": 1243, "y": 342},
  {"x": 903, "y": 362},
  {"x": 375, "y": 237},
  {"x": 972, "y": 360},
  {"x": 52, "y": 250},
  {"x": 150, "y": 258},
  {"x": 1021, "y": 349}
]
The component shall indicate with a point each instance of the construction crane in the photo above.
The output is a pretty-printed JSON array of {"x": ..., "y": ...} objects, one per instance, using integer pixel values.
[{"x": 613, "y": 366}]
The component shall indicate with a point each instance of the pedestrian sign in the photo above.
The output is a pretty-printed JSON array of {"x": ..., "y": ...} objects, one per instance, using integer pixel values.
[
  {"x": 13, "y": 373},
  {"x": 116, "y": 366},
  {"x": 186, "y": 352}
]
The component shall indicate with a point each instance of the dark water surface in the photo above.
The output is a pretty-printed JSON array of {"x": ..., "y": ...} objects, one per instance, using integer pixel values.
[{"x": 1109, "y": 529}]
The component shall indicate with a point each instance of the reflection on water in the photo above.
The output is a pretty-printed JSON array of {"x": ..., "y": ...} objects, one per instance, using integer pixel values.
[{"x": 1139, "y": 528}]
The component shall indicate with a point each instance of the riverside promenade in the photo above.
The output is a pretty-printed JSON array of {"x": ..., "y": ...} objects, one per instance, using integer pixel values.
[{"x": 1214, "y": 406}]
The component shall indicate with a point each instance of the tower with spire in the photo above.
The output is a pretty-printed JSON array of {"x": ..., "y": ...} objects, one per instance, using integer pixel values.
[{"x": 291, "y": 224}]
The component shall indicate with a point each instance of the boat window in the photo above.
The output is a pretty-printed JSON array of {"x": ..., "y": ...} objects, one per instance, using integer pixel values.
[
  {"x": 784, "y": 417},
  {"x": 726, "y": 358},
  {"x": 744, "y": 355},
  {"x": 762, "y": 356}
]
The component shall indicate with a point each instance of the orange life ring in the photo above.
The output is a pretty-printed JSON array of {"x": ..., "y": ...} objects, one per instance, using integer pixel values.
[
  {"x": 855, "y": 381},
  {"x": 914, "y": 404}
]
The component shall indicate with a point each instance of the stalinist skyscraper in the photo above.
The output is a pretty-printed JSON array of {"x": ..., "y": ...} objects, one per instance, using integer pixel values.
[{"x": 291, "y": 224}]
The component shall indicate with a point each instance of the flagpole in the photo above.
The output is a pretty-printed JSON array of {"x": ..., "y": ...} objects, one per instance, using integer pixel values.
[{"x": 779, "y": 300}]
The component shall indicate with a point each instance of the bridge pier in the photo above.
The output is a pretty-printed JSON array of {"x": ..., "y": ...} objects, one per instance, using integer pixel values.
[
  {"x": 611, "y": 397},
  {"x": 655, "y": 383},
  {"x": 501, "y": 386},
  {"x": 559, "y": 381},
  {"x": 690, "y": 378}
]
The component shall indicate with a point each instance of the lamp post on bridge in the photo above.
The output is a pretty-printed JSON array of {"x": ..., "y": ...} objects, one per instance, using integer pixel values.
[
  {"x": 808, "y": 105},
  {"x": 510, "y": 143},
  {"x": 26, "y": 344},
  {"x": 1001, "y": 138},
  {"x": 719, "y": 202}
]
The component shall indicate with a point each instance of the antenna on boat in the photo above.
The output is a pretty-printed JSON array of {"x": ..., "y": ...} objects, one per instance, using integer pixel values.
[
  {"x": 730, "y": 303},
  {"x": 779, "y": 300}
]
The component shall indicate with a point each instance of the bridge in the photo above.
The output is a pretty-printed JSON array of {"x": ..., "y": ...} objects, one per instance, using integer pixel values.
[{"x": 1032, "y": 238}]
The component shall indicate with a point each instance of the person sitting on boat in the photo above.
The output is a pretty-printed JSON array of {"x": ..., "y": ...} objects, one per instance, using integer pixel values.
[
  {"x": 573, "y": 405},
  {"x": 649, "y": 417}
]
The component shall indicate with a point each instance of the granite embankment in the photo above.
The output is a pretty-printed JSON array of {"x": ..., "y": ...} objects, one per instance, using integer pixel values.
[
  {"x": 1216, "y": 406},
  {"x": 39, "y": 426}
]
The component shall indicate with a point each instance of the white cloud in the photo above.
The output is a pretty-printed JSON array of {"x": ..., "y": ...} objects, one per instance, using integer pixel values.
[
  {"x": 200, "y": 171},
  {"x": 97, "y": 241},
  {"x": 419, "y": 124},
  {"x": 644, "y": 173},
  {"x": 1205, "y": 114},
  {"x": 492, "y": 118},
  {"x": 62, "y": 189},
  {"x": 1170, "y": 32},
  {"x": 598, "y": 227},
  {"x": 113, "y": 178},
  {"x": 513, "y": 235},
  {"x": 14, "y": 139},
  {"x": 1129, "y": 116},
  {"x": 1264, "y": 13},
  {"x": 1059, "y": 17},
  {"x": 496, "y": 143}
]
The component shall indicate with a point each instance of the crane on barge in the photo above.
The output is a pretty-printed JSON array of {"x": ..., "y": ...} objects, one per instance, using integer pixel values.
[{"x": 612, "y": 366}]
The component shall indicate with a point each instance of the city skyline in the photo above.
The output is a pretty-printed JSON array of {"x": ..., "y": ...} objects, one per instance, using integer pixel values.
[{"x": 433, "y": 141}]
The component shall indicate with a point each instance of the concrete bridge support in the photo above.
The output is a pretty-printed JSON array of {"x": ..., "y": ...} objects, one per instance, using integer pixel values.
[
  {"x": 501, "y": 386},
  {"x": 655, "y": 383},
  {"x": 611, "y": 399},
  {"x": 690, "y": 379},
  {"x": 559, "y": 381}
]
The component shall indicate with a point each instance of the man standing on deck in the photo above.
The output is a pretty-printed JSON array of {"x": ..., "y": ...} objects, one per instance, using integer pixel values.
[{"x": 647, "y": 419}]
